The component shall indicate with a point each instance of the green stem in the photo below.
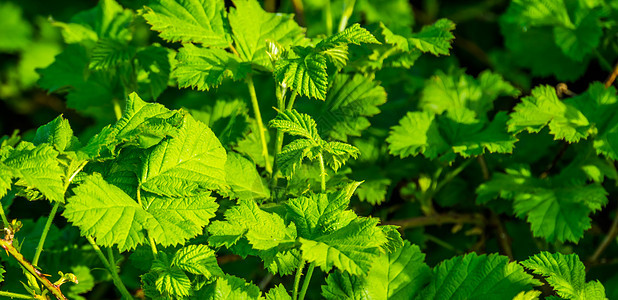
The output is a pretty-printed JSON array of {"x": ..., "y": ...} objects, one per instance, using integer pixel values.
[
  {"x": 4, "y": 219},
  {"x": 110, "y": 258},
  {"x": 299, "y": 273},
  {"x": 117, "y": 109},
  {"x": 303, "y": 291},
  {"x": 258, "y": 119},
  {"x": 55, "y": 290},
  {"x": 292, "y": 99},
  {"x": 347, "y": 12},
  {"x": 280, "y": 94},
  {"x": 451, "y": 175},
  {"x": 328, "y": 18},
  {"x": 153, "y": 246},
  {"x": 115, "y": 278},
  {"x": 15, "y": 295},
  {"x": 50, "y": 220},
  {"x": 322, "y": 173}
]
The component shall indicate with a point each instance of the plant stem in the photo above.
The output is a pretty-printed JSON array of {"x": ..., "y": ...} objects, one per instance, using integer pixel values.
[
  {"x": 258, "y": 119},
  {"x": 115, "y": 278},
  {"x": 55, "y": 290},
  {"x": 299, "y": 273},
  {"x": 347, "y": 12},
  {"x": 234, "y": 50},
  {"x": 50, "y": 220},
  {"x": 483, "y": 165},
  {"x": 153, "y": 246},
  {"x": 503, "y": 237},
  {"x": 306, "y": 281},
  {"x": 322, "y": 173},
  {"x": 609, "y": 238},
  {"x": 15, "y": 295},
  {"x": 328, "y": 18},
  {"x": 4, "y": 219},
  {"x": 612, "y": 77},
  {"x": 451, "y": 175},
  {"x": 117, "y": 109},
  {"x": 110, "y": 258},
  {"x": 300, "y": 12},
  {"x": 292, "y": 99},
  {"x": 270, "y": 5},
  {"x": 438, "y": 220}
]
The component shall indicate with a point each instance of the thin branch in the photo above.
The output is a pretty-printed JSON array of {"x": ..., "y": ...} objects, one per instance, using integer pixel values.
[
  {"x": 112, "y": 269},
  {"x": 434, "y": 220},
  {"x": 609, "y": 238},
  {"x": 10, "y": 249},
  {"x": 503, "y": 237},
  {"x": 15, "y": 295},
  {"x": 612, "y": 77},
  {"x": 483, "y": 165},
  {"x": 299, "y": 11}
]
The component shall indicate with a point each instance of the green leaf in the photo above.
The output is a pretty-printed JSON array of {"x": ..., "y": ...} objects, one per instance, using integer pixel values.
[
  {"x": 170, "y": 281},
  {"x": 305, "y": 73},
  {"x": 110, "y": 53},
  {"x": 459, "y": 91},
  {"x": 104, "y": 211},
  {"x": 17, "y": 33},
  {"x": 155, "y": 63},
  {"x": 204, "y": 68},
  {"x": 292, "y": 155},
  {"x": 194, "y": 159},
  {"x": 278, "y": 293},
  {"x": 416, "y": 133},
  {"x": 557, "y": 209},
  {"x": 2, "y": 271},
  {"x": 566, "y": 274},
  {"x": 474, "y": 276},
  {"x": 229, "y": 120},
  {"x": 146, "y": 124},
  {"x": 229, "y": 287},
  {"x": 110, "y": 215},
  {"x": 67, "y": 69},
  {"x": 253, "y": 27},
  {"x": 319, "y": 214},
  {"x": 597, "y": 105},
  {"x": 351, "y": 100},
  {"x": 6, "y": 179},
  {"x": 57, "y": 133},
  {"x": 262, "y": 230},
  {"x": 176, "y": 220},
  {"x": 576, "y": 36},
  {"x": 435, "y": 38},
  {"x": 397, "y": 275},
  {"x": 37, "y": 168},
  {"x": 460, "y": 124},
  {"x": 336, "y": 154},
  {"x": 542, "y": 13},
  {"x": 185, "y": 21},
  {"x": 543, "y": 108},
  {"x": 243, "y": 178},
  {"x": 351, "y": 248},
  {"x": 352, "y": 35},
  {"x": 529, "y": 295},
  {"x": 108, "y": 20},
  {"x": 295, "y": 123},
  {"x": 197, "y": 259},
  {"x": 86, "y": 282}
]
